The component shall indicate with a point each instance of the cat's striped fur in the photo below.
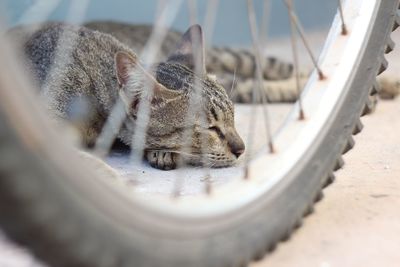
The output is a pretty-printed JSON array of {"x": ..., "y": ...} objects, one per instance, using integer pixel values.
[
  {"x": 234, "y": 68},
  {"x": 219, "y": 60}
]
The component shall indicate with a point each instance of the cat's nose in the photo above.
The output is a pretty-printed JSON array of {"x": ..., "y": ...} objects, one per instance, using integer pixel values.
[
  {"x": 237, "y": 148},
  {"x": 237, "y": 153}
]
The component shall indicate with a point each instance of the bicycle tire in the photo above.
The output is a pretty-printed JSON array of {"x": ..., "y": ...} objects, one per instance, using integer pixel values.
[{"x": 65, "y": 222}]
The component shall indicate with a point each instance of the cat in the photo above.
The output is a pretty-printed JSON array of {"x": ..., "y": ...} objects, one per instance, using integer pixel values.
[
  {"x": 279, "y": 83},
  {"x": 101, "y": 70}
]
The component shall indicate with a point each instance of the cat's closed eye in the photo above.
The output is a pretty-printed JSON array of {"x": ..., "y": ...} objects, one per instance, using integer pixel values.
[{"x": 218, "y": 131}]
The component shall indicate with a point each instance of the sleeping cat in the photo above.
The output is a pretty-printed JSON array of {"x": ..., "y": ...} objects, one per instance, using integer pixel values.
[{"x": 98, "y": 68}]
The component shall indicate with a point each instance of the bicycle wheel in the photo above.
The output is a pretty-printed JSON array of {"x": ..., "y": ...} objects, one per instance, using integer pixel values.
[{"x": 69, "y": 215}]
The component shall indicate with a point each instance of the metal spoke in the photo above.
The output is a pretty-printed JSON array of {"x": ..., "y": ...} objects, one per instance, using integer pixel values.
[
  {"x": 344, "y": 28},
  {"x": 258, "y": 94},
  {"x": 64, "y": 49},
  {"x": 110, "y": 129},
  {"x": 118, "y": 114},
  {"x": 209, "y": 20},
  {"x": 296, "y": 64},
  {"x": 259, "y": 76},
  {"x": 38, "y": 11},
  {"x": 265, "y": 22},
  {"x": 300, "y": 30},
  {"x": 148, "y": 56},
  {"x": 209, "y": 23},
  {"x": 194, "y": 111}
]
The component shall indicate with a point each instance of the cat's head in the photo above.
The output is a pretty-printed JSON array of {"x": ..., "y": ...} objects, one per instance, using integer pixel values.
[{"x": 189, "y": 111}]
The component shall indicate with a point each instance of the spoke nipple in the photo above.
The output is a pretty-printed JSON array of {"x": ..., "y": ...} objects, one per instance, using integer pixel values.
[
  {"x": 208, "y": 189},
  {"x": 301, "y": 115},
  {"x": 271, "y": 147},
  {"x": 246, "y": 173},
  {"x": 176, "y": 194},
  {"x": 321, "y": 76},
  {"x": 208, "y": 186},
  {"x": 344, "y": 29}
]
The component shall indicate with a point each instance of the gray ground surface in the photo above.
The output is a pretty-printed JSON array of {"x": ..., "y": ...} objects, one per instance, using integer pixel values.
[
  {"x": 358, "y": 221},
  {"x": 149, "y": 180}
]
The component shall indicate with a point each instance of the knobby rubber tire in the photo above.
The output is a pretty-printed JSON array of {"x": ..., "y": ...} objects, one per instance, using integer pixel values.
[{"x": 41, "y": 210}]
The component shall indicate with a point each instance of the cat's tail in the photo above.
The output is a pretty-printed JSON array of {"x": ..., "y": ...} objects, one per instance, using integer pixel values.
[
  {"x": 223, "y": 60},
  {"x": 240, "y": 90}
]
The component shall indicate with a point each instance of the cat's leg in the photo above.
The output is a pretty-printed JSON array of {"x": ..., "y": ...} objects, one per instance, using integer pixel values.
[{"x": 162, "y": 160}]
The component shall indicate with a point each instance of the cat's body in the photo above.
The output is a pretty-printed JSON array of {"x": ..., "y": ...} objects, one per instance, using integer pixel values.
[{"x": 96, "y": 68}]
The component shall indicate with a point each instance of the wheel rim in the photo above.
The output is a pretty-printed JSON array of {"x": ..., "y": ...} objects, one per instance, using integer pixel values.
[{"x": 321, "y": 99}]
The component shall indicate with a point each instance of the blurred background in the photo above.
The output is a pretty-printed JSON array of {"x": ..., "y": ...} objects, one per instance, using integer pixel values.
[{"x": 231, "y": 23}]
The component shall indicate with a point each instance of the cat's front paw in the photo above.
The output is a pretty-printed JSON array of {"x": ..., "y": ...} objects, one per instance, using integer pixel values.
[{"x": 162, "y": 160}]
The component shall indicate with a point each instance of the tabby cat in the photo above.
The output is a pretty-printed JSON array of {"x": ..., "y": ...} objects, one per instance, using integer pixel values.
[{"x": 95, "y": 67}]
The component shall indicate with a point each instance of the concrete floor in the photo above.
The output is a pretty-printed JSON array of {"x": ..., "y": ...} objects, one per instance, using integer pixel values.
[{"x": 358, "y": 221}]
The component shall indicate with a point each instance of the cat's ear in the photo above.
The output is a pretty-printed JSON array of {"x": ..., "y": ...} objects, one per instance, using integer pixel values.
[
  {"x": 128, "y": 66},
  {"x": 125, "y": 65},
  {"x": 190, "y": 50}
]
